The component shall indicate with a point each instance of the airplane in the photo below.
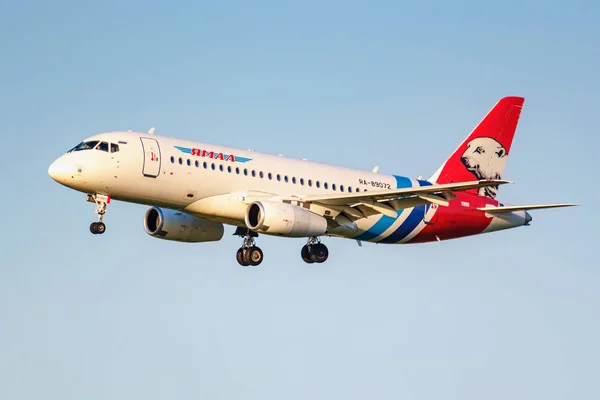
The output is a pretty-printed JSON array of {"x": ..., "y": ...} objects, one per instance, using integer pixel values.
[{"x": 194, "y": 188}]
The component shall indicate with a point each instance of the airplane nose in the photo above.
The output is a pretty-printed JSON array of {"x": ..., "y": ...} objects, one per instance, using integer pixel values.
[{"x": 59, "y": 170}]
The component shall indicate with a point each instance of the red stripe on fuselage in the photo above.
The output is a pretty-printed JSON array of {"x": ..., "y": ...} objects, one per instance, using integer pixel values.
[{"x": 457, "y": 219}]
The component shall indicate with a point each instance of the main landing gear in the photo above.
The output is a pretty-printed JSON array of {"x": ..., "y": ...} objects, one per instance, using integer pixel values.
[
  {"x": 249, "y": 253},
  {"x": 98, "y": 228},
  {"x": 314, "y": 251}
]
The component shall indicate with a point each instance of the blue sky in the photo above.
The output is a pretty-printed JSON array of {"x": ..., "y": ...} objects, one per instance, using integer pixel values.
[{"x": 397, "y": 84}]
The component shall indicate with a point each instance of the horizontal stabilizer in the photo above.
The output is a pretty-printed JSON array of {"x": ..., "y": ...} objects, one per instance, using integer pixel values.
[{"x": 523, "y": 208}]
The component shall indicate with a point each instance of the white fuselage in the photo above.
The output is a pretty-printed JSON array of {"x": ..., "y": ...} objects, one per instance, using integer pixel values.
[{"x": 217, "y": 183}]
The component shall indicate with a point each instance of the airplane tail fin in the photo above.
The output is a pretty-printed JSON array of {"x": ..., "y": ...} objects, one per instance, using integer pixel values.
[{"x": 484, "y": 152}]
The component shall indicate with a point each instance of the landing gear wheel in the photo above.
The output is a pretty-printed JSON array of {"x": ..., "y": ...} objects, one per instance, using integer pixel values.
[
  {"x": 254, "y": 255},
  {"x": 239, "y": 256},
  {"x": 100, "y": 228},
  {"x": 314, "y": 251},
  {"x": 305, "y": 253},
  {"x": 248, "y": 254},
  {"x": 319, "y": 253},
  {"x": 97, "y": 228}
]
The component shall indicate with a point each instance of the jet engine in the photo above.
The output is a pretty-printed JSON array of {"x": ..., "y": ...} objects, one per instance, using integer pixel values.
[
  {"x": 283, "y": 219},
  {"x": 167, "y": 224}
]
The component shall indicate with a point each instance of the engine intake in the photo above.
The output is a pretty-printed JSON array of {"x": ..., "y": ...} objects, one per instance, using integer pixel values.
[
  {"x": 164, "y": 223},
  {"x": 284, "y": 219}
]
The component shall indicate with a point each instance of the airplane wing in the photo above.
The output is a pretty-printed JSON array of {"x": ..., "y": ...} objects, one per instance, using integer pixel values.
[
  {"x": 524, "y": 208},
  {"x": 438, "y": 194}
]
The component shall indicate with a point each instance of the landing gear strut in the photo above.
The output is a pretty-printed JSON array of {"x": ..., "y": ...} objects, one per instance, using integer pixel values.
[
  {"x": 249, "y": 253},
  {"x": 98, "y": 228},
  {"x": 314, "y": 251}
]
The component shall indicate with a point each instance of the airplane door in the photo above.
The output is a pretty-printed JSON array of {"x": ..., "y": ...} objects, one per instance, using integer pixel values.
[{"x": 152, "y": 159}]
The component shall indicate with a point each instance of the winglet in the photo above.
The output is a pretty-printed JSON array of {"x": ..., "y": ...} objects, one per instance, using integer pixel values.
[{"x": 151, "y": 131}]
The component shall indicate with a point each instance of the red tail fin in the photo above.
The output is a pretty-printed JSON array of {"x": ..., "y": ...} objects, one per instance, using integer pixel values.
[{"x": 484, "y": 152}]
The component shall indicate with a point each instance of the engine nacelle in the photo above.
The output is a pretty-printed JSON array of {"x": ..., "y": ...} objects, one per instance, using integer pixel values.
[
  {"x": 284, "y": 219},
  {"x": 164, "y": 223}
]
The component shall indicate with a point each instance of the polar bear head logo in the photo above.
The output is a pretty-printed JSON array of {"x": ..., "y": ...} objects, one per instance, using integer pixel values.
[{"x": 485, "y": 158}]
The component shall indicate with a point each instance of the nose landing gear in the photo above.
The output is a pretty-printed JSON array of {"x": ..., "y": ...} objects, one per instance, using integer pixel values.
[
  {"x": 249, "y": 253},
  {"x": 314, "y": 251},
  {"x": 98, "y": 228}
]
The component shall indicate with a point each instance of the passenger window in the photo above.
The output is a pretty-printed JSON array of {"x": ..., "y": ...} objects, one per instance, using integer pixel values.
[
  {"x": 204, "y": 165},
  {"x": 309, "y": 182},
  {"x": 318, "y": 184},
  {"x": 246, "y": 171},
  {"x": 114, "y": 148},
  {"x": 189, "y": 163},
  {"x": 197, "y": 164},
  {"x": 180, "y": 161},
  {"x": 172, "y": 160},
  {"x": 103, "y": 147},
  {"x": 341, "y": 188},
  {"x": 333, "y": 186},
  {"x": 229, "y": 169},
  {"x": 325, "y": 185},
  {"x": 270, "y": 176},
  {"x": 302, "y": 181},
  {"x": 278, "y": 177},
  {"x": 285, "y": 178},
  {"x": 237, "y": 170},
  {"x": 212, "y": 166},
  {"x": 294, "y": 180},
  {"x": 260, "y": 174},
  {"x": 221, "y": 167},
  {"x": 253, "y": 173}
]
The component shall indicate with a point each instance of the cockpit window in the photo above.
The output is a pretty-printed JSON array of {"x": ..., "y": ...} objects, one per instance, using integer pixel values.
[
  {"x": 114, "y": 148},
  {"x": 73, "y": 149},
  {"x": 85, "y": 146},
  {"x": 103, "y": 146}
]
